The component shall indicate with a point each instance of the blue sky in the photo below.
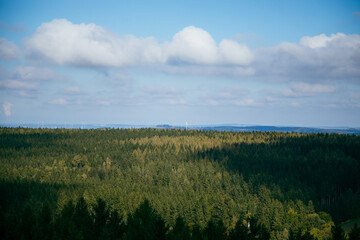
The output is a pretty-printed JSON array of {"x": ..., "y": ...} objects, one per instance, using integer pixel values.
[{"x": 204, "y": 62}]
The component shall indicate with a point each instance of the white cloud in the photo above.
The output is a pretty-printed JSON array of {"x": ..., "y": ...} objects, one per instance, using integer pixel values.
[
  {"x": 35, "y": 73},
  {"x": 193, "y": 51},
  {"x": 27, "y": 94},
  {"x": 247, "y": 103},
  {"x": 176, "y": 102},
  {"x": 232, "y": 93},
  {"x": 192, "y": 45},
  {"x": 354, "y": 95},
  {"x": 209, "y": 102},
  {"x": 233, "y": 53},
  {"x": 17, "y": 84},
  {"x": 295, "y": 104},
  {"x": 102, "y": 102},
  {"x": 59, "y": 101},
  {"x": 7, "y": 108},
  {"x": 25, "y": 81},
  {"x": 64, "y": 43},
  {"x": 209, "y": 70},
  {"x": 320, "y": 40},
  {"x": 302, "y": 89},
  {"x": 162, "y": 92},
  {"x": 313, "y": 88},
  {"x": 314, "y": 57},
  {"x": 71, "y": 90},
  {"x": 8, "y": 50}
]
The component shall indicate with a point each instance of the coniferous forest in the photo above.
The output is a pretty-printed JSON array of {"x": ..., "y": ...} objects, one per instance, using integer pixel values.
[{"x": 177, "y": 184}]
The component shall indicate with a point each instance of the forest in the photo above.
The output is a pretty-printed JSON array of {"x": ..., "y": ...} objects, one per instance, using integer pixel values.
[{"x": 177, "y": 184}]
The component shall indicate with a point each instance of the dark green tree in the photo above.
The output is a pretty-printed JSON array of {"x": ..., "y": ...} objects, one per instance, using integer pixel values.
[
  {"x": 82, "y": 219},
  {"x": 257, "y": 230},
  {"x": 337, "y": 232},
  {"x": 240, "y": 232},
  {"x": 354, "y": 234},
  {"x": 28, "y": 223},
  {"x": 180, "y": 231},
  {"x": 45, "y": 223},
  {"x": 215, "y": 230},
  {"x": 101, "y": 214},
  {"x": 145, "y": 224},
  {"x": 65, "y": 227},
  {"x": 196, "y": 233},
  {"x": 115, "y": 227}
]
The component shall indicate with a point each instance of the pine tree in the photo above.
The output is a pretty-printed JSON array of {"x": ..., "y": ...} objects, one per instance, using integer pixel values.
[
  {"x": 45, "y": 223},
  {"x": 354, "y": 234},
  {"x": 337, "y": 232}
]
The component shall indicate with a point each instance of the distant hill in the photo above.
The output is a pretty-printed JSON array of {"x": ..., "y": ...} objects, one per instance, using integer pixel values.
[
  {"x": 164, "y": 126},
  {"x": 283, "y": 129},
  {"x": 236, "y": 128},
  {"x": 228, "y": 128}
]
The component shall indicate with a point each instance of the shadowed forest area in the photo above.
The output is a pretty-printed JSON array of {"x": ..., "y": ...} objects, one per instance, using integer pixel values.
[{"x": 177, "y": 184}]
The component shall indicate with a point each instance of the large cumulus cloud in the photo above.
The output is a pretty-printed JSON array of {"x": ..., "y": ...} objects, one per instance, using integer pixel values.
[
  {"x": 332, "y": 56},
  {"x": 64, "y": 43}
]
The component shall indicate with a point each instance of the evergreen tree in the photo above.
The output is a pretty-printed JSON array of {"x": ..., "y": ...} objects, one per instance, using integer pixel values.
[
  {"x": 101, "y": 214},
  {"x": 45, "y": 223},
  {"x": 196, "y": 233},
  {"x": 28, "y": 224},
  {"x": 257, "y": 230},
  {"x": 180, "y": 231},
  {"x": 116, "y": 226},
  {"x": 65, "y": 226},
  {"x": 354, "y": 234},
  {"x": 82, "y": 219},
  {"x": 145, "y": 224},
  {"x": 240, "y": 232},
  {"x": 215, "y": 230},
  {"x": 337, "y": 232}
]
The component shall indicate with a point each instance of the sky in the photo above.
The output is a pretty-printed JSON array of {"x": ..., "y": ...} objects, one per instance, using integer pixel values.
[{"x": 282, "y": 63}]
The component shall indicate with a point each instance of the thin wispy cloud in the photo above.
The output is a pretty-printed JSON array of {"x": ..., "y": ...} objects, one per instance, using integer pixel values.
[
  {"x": 17, "y": 28},
  {"x": 36, "y": 73},
  {"x": 7, "y": 108},
  {"x": 302, "y": 89},
  {"x": 8, "y": 50},
  {"x": 71, "y": 91},
  {"x": 59, "y": 101},
  {"x": 249, "y": 102},
  {"x": 17, "y": 84},
  {"x": 163, "y": 92}
]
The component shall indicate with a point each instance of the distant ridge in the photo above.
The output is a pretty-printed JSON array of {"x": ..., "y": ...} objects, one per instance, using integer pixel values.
[
  {"x": 225, "y": 127},
  {"x": 164, "y": 126},
  {"x": 283, "y": 129}
]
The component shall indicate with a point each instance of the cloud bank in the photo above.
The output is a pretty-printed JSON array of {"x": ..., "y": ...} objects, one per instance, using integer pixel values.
[
  {"x": 301, "y": 89},
  {"x": 64, "y": 43},
  {"x": 191, "y": 51},
  {"x": 337, "y": 55},
  {"x": 25, "y": 81}
]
